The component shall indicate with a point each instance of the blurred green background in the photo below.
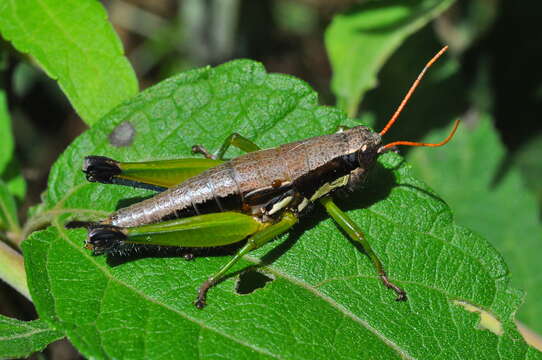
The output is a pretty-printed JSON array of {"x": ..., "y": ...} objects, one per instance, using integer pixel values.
[{"x": 489, "y": 78}]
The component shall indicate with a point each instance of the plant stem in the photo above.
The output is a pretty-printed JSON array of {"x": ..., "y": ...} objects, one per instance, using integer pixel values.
[{"x": 12, "y": 269}]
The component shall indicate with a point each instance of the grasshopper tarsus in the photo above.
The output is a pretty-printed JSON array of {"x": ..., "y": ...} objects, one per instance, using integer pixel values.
[
  {"x": 200, "y": 149},
  {"x": 189, "y": 256},
  {"x": 401, "y": 294},
  {"x": 200, "y": 302}
]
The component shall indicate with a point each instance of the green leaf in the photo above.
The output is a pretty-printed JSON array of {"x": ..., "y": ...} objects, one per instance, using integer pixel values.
[
  {"x": 9, "y": 169},
  {"x": 6, "y": 145},
  {"x": 325, "y": 300},
  {"x": 14, "y": 180},
  {"x": 22, "y": 338},
  {"x": 360, "y": 41},
  {"x": 497, "y": 205},
  {"x": 8, "y": 210},
  {"x": 76, "y": 45}
]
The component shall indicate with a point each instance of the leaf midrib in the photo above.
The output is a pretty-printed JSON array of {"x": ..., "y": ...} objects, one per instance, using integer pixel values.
[{"x": 32, "y": 331}]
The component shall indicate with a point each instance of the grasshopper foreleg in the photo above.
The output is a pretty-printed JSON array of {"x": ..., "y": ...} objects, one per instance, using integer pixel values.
[
  {"x": 255, "y": 241},
  {"x": 234, "y": 139},
  {"x": 355, "y": 233}
]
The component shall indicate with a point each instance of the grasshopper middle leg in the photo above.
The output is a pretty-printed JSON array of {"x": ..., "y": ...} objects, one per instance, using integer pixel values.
[
  {"x": 355, "y": 233},
  {"x": 234, "y": 139},
  {"x": 255, "y": 241}
]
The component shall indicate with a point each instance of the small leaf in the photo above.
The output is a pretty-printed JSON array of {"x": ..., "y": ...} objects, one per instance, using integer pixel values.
[
  {"x": 496, "y": 204},
  {"x": 22, "y": 338},
  {"x": 325, "y": 299},
  {"x": 76, "y": 45},
  {"x": 6, "y": 144},
  {"x": 14, "y": 180},
  {"x": 9, "y": 169},
  {"x": 8, "y": 210},
  {"x": 360, "y": 41}
]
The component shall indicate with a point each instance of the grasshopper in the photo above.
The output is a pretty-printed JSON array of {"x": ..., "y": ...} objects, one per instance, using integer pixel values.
[{"x": 257, "y": 196}]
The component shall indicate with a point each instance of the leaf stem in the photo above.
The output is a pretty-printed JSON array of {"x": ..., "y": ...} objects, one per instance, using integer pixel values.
[
  {"x": 45, "y": 218},
  {"x": 34, "y": 223},
  {"x": 12, "y": 269},
  {"x": 14, "y": 230},
  {"x": 531, "y": 337}
]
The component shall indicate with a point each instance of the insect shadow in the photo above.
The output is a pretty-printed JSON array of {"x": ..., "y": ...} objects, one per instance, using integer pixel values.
[{"x": 130, "y": 253}]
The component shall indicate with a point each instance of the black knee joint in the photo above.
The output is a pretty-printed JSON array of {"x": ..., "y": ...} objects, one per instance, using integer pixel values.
[
  {"x": 101, "y": 169},
  {"x": 102, "y": 239}
]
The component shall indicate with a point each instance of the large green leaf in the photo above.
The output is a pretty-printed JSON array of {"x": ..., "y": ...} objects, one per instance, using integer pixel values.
[
  {"x": 22, "y": 338},
  {"x": 76, "y": 45},
  {"x": 325, "y": 300},
  {"x": 360, "y": 41},
  {"x": 497, "y": 205}
]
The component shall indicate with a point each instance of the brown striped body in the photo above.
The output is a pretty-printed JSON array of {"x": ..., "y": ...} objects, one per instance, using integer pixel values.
[{"x": 255, "y": 182}]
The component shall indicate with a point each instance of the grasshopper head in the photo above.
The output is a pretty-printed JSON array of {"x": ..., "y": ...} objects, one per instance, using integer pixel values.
[{"x": 368, "y": 143}]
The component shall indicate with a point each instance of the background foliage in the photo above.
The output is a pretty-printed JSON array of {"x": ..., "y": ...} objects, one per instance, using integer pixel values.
[{"x": 63, "y": 66}]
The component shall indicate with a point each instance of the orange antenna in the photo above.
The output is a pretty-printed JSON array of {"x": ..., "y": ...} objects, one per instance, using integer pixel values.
[
  {"x": 412, "y": 143},
  {"x": 411, "y": 91}
]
